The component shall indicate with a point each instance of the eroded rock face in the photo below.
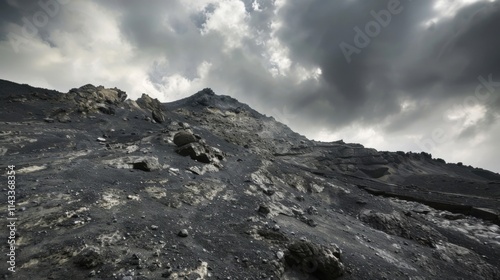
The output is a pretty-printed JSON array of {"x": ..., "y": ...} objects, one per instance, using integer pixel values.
[
  {"x": 403, "y": 226},
  {"x": 320, "y": 261}
]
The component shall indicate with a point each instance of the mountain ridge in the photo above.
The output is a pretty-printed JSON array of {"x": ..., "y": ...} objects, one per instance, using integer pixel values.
[{"x": 114, "y": 188}]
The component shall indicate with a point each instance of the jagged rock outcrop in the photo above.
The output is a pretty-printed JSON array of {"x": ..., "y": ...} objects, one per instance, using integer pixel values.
[
  {"x": 201, "y": 152},
  {"x": 90, "y": 99},
  {"x": 153, "y": 106}
]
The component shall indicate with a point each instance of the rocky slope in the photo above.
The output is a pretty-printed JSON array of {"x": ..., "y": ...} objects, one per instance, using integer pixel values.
[{"x": 207, "y": 188}]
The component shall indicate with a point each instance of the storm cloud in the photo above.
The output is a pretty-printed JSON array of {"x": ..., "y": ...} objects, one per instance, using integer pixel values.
[{"x": 393, "y": 75}]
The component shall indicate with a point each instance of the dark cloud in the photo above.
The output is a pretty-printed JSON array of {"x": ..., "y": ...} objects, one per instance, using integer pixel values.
[
  {"x": 437, "y": 65},
  {"x": 404, "y": 83}
]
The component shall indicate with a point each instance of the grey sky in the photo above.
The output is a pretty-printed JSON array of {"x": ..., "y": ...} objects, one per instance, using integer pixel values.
[{"x": 393, "y": 75}]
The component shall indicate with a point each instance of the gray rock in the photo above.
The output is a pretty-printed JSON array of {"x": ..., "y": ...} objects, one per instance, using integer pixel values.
[
  {"x": 264, "y": 209},
  {"x": 280, "y": 254},
  {"x": 158, "y": 116},
  {"x": 183, "y": 233},
  {"x": 147, "y": 164},
  {"x": 183, "y": 138},
  {"x": 196, "y": 151},
  {"x": 152, "y": 105},
  {"x": 322, "y": 262}
]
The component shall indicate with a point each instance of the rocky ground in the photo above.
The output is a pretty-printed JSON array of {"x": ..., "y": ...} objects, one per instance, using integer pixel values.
[{"x": 207, "y": 188}]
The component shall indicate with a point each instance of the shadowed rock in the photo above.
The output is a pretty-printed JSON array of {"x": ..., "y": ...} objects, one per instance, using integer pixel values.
[
  {"x": 320, "y": 261},
  {"x": 182, "y": 138},
  {"x": 89, "y": 257}
]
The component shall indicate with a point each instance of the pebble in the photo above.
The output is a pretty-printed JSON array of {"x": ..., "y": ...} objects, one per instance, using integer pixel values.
[
  {"x": 280, "y": 255},
  {"x": 183, "y": 233},
  {"x": 264, "y": 209}
]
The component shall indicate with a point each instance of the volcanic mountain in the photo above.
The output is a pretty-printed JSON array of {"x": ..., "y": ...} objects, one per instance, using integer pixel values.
[{"x": 207, "y": 188}]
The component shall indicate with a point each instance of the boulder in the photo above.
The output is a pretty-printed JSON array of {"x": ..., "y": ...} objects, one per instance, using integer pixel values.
[
  {"x": 183, "y": 138},
  {"x": 147, "y": 164},
  {"x": 196, "y": 151},
  {"x": 320, "y": 261},
  {"x": 154, "y": 106}
]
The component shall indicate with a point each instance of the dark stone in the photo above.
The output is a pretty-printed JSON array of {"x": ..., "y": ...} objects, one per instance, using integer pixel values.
[
  {"x": 107, "y": 110},
  {"x": 272, "y": 235},
  {"x": 158, "y": 116},
  {"x": 183, "y": 138},
  {"x": 183, "y": 233},
  {"x": 88, "y": 258},
  {"x": 146, "y": 164},
  {"x": 320, "y": 261},
  {"x": 264, "y": 209},
  {"x": 196, "y": 151},
  {"x": 268, "y": 192}
]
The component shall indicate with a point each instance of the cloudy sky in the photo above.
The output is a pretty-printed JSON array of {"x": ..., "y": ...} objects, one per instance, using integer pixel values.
[{"x": 393, "y": 75}]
